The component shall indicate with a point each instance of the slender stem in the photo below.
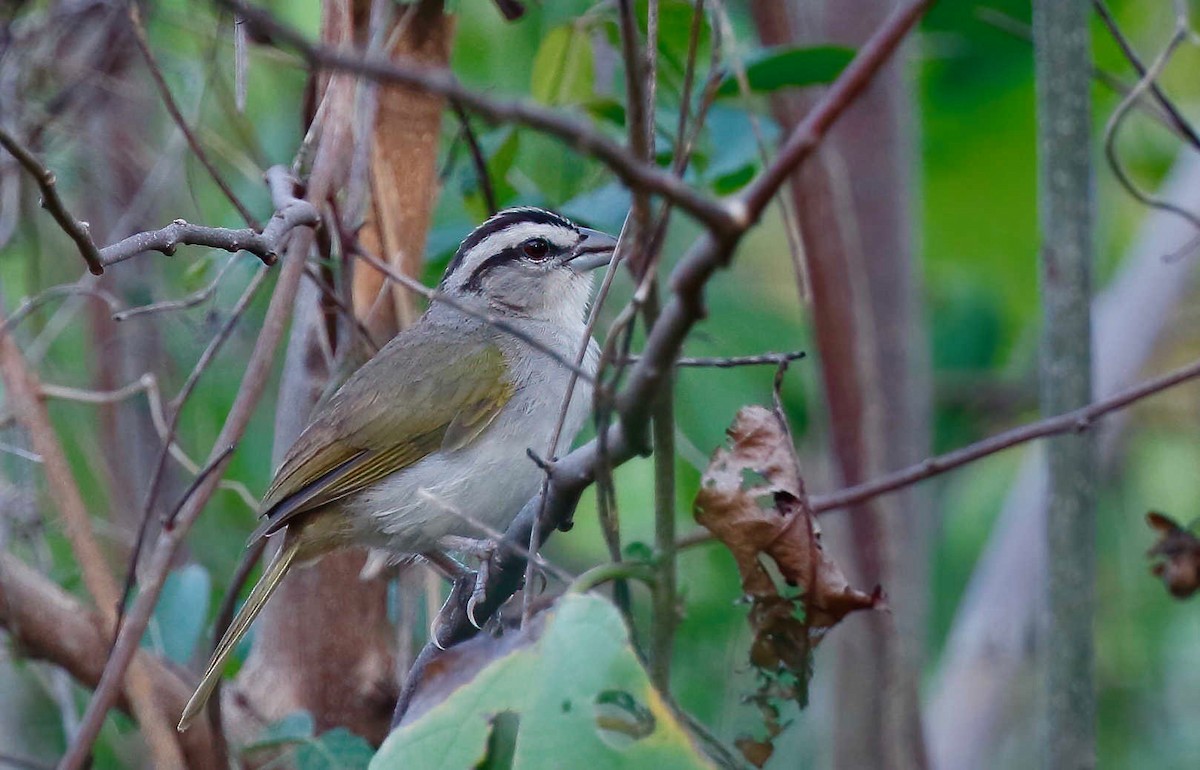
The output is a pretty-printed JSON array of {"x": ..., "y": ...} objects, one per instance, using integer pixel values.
[
  {"x": 1062, "y": 76},
  {"x": 51, "y": 202}
]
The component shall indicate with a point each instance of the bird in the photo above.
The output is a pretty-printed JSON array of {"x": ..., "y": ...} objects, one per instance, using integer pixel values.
[{"x": 428, "y": 440}]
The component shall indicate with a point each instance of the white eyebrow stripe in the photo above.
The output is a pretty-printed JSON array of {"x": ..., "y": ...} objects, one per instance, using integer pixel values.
[{"x": 559, "y": 236}]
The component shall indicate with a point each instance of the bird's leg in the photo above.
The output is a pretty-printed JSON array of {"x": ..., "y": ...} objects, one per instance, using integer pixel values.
[{"x": 478, "y": 548}]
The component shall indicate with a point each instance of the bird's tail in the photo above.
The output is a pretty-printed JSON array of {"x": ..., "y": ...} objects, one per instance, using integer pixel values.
[{"x": 262, "y": 591}]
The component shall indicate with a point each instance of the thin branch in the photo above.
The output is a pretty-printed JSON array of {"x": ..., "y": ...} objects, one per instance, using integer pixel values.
[
  {"x": 29, "y": 304},
  {"x": 183, "y": 303},
  {"x": 143, "y": 44},
  {"x": 1075, "y": 421},
  {"x": 290, "y": 212},
  {"x": 1174, "y": 118},
  {"x": 477, "y": 157},
  {"x": 21, "y": 391},
  {"x": 730, "y": 362},
  {"x": 79, "y": 231},
  {"x": 147, "y": 384},
  {"x": 574, "y": 131},
  {"x": 168, "y": 440},
  {"x": 1178, "y": 36}
]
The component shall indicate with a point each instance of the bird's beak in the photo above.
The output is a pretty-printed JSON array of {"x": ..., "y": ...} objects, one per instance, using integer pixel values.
[{"x": 595, "y": 249}]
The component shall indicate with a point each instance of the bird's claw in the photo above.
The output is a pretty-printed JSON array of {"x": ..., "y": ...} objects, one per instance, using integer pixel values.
[{"x": 479, "y": 592}]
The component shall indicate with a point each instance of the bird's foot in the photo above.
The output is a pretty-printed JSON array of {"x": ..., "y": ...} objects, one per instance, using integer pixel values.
[{"x": 482, "y": 550}]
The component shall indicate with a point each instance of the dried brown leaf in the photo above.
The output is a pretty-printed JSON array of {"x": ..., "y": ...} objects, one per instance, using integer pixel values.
[
  {"x": 752, "y": 499},
  {"x": 770, "y": 516},
  {"x": 1176, "y": 555}
]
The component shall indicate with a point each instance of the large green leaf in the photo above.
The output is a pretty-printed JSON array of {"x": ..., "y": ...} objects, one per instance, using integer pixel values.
[
  {"x": 577, "y": 696},
  {"x": 775, "y": 68},
  {"x": 563, "y": 71}
]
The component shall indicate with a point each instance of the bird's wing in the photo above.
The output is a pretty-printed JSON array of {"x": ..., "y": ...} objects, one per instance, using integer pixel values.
[{"x": 422, "y": 393}]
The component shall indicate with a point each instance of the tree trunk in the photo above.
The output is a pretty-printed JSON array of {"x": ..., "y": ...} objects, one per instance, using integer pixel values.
[{"x": 854, "y": 219}]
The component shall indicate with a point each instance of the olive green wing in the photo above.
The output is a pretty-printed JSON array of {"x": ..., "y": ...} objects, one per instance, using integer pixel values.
[{"x": 422, "y": 393}]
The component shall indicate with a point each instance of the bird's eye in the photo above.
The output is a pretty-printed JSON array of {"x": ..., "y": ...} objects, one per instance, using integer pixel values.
[{"x": 536, "y": 248}]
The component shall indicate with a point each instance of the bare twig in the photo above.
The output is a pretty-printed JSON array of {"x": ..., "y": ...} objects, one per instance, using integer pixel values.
[
  {"x": 1075, "y": 421},
  {"x": 143, "y": 44},
  {"x": 1147, "y": 81},
  {"x": 183, "y": 303},
  {"x": 481, "y": 167},
  {"x": 731, "y": 362},
  {"x": 290, "y": 212},
  {"x": 1174, "y": 118},
  {"x": 79, "y": 231}
]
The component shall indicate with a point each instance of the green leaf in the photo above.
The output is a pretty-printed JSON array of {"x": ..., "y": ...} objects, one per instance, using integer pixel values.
[
  {"x": 775, "y": 68},
  {"x": 337, "y": 749},
  {"x": 577, "y": 696},
  {"x": 180, "y": 616},
  {"x": 563, "y": 71}
]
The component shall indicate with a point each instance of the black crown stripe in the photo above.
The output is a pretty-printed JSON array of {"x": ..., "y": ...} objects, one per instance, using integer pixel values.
[{"x": 500, "y": 221}]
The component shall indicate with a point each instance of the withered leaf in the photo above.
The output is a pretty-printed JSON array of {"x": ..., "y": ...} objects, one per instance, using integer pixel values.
[
  {"x": 752, "y": 499},
  {"x": 1176, "y": 555},
  {"x": 770, "y": 516}
]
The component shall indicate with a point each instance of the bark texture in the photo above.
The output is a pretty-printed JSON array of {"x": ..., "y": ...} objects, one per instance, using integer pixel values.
[{"x": 1063, "y": 71}]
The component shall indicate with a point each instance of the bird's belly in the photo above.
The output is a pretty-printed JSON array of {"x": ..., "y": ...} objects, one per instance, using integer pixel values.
[
  {"x": 465, "y": 493},
  {"x": 477, "y": 488}
]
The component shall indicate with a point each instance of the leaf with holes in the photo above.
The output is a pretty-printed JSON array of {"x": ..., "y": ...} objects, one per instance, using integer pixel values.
[
  {"x": 752, "y": 499},
  {"x": 566, "y": 691}
]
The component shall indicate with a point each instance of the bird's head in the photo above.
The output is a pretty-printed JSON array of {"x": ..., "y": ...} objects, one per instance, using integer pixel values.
[{"x": 529, "y": 262}]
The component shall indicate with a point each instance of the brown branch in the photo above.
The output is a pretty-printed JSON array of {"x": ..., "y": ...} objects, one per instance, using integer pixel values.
[
  {"x": 290, "y": 212},
  {"x": 1075, "y": 421},
  {"x": 47, "y": 623},
  {"x": 79, "y": 231},
  {"x": 575, "y": 132},
  {"x": 168, "y": 440},
  {"x": 22, "y": 394}
]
